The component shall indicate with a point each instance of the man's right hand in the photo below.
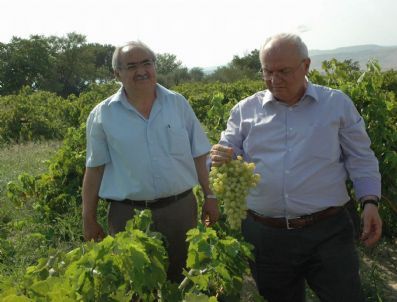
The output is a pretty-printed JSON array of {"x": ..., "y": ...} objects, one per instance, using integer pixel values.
[
  {"x": 93, "y": 230},
  {"x": 220, "y": 154}
]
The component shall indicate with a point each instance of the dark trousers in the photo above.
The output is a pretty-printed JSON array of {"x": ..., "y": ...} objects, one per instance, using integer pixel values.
[
  {"x": 323, "y": 254},
  {"x": 173, "y": 221}
]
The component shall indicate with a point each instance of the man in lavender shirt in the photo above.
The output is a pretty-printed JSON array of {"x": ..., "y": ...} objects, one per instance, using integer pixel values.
[{"x": 306, "y": 140}]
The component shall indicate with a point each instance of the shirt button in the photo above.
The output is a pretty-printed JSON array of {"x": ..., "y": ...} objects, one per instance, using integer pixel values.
[
  {"x": 290, "y": 129},
  {"x": 286, "y": 171},
  {"x": 286, "y": 195},
  {"x": 290, "y": 109}
]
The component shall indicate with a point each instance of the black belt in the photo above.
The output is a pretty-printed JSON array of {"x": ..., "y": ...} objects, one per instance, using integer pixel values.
[
  {"x": 153, "y": 203},
  {"x": 299, "y": 222}
]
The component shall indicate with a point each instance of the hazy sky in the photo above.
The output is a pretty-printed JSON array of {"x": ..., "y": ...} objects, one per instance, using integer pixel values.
[{"x": 204, "y": 32}]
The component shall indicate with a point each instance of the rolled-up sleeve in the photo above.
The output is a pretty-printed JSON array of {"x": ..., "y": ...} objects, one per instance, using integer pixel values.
[
  {"x": 199, "y": 143},
  {"x": 97, "y": 147},
  {"x": 232, "y": 136}
]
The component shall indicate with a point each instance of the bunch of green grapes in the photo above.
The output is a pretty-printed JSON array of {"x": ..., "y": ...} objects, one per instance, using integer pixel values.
[{"x": 231, "y": 183}]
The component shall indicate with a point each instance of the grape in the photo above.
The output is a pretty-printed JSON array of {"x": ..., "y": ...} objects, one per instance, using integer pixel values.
[{"x": 231, "y": 183}]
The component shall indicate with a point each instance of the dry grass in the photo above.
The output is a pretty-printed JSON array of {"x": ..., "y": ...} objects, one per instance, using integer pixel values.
[{"x": 30, "y": 158}]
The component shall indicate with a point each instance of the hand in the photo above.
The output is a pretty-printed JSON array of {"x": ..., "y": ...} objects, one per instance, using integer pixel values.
[
  {"x": 220, "y": 154},
  {"x": 92, "y": 230},
  {"x": 372, "y": 228},
  {"x": 210, "y": 212}
]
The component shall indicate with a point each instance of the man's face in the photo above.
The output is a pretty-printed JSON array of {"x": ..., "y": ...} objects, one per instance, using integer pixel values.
[
  {"x": 284, "y": 72},
  {"x": 137, "y": 70}
]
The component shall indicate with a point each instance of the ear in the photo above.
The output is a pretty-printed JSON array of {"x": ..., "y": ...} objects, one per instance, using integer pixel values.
[
  {"x": 116, "y": 74},
  {"x": 307, "y": 65}
]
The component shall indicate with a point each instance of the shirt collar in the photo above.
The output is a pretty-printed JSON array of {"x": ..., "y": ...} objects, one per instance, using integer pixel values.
[
  {"x": 120, "y": 95},
  {"x": 310, "y": 92},
  {"x": 161, "y": 90}
]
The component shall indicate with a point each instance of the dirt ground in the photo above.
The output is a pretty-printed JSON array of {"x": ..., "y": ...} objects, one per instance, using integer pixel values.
[{"x": 381, "y": 262}]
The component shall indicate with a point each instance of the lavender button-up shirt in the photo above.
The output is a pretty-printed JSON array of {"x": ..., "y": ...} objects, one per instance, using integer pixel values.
[{"x": 304, "y": 153}]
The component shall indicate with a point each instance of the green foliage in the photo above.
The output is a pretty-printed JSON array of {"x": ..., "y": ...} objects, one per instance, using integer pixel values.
[
  {"x": 31, "y": 116},
  {"x": 54, "y": 193},
  {"x": 212, "y": 262},
  {"x": 249, "y": 61},
  {"x": 40, "y": 115},
  {"x": 196, "y": 74},
  {"x": 167, "y": 63},
  {"x": 171, "y": 72},
  {"x": 200, "y": 96},
  {"x": 390, "y": 81},
  {"x": 62, "y": 65},
  {"x": 245, "y": 67},
  {"x": 132, "y": 266}
]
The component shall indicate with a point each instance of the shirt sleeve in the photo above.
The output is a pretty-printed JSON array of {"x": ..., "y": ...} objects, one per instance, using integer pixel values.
[
  {"x": 199, "y": 143},
  {"x": 359, "y": 159},
  {"x": 232, "y": 136},
  {"x": 97, "y": 147}
]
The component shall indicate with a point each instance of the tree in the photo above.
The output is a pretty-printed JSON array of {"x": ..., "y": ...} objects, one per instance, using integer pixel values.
[
  {"x": 63, "y": 65},
  {"x": 196, "y": 74},
  {"x": 77, "y": 64},
  {"x": 24, "y": 62},
  {"x": 249, "y": 61},
  {"x": 246, "y": 67},
  {"x": 167, "y": 63}
]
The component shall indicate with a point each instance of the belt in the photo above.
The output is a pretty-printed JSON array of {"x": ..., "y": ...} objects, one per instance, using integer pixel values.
[
  {"x": 153, "y": 203},
  {"x": 299, "y": 222}
]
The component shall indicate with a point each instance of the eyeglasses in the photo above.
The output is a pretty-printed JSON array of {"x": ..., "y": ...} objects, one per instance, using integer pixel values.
[
  {"x": 147, "y": 64},
  {"x": 283, "y": 73}
]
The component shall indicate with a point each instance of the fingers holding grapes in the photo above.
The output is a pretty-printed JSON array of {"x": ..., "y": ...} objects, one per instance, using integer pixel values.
[{"x": 220, "y": 154}]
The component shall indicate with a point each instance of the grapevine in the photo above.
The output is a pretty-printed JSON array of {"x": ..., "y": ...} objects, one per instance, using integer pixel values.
[{"x": 231, "y": 183}]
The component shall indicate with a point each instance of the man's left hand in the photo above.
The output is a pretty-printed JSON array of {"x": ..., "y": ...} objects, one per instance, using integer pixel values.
[
  {"x": 372, "y": 228},
  {"x": 210, "y": 213}
]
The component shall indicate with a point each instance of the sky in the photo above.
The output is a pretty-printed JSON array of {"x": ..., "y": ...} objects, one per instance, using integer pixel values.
[{"x": 204, "y": 33}]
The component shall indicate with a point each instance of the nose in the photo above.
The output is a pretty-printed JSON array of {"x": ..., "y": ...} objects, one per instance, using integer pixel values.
[
  {"x": 140, "y": 69},
  {"x": 275, "y": 78}
]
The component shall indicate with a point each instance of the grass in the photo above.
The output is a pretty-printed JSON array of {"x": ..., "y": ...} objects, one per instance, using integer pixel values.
[
  {"x": 26, "y": 243},
  {"x": 30, "y": 158},
  {"x": 21, "y": 242}
]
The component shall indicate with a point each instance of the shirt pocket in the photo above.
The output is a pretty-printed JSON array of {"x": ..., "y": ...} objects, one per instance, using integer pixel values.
[
  {"x": 323, "y": 142},
  {"x": 178, "y": 141}
]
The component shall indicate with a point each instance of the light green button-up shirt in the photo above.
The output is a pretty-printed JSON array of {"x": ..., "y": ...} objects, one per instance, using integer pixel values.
[{"x": 149, "y": 158}]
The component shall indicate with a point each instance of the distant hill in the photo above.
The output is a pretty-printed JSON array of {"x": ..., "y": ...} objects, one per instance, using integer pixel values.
[{"x": 386, "y": 55}]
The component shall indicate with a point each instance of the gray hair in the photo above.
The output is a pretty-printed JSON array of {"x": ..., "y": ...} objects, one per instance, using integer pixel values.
[
  {"x": 286, "y": 37},
  {"x": 132, "y": 44}
]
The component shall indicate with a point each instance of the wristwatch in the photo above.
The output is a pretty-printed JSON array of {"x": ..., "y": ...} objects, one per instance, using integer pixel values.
[{"x": 372, "y": 200}]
